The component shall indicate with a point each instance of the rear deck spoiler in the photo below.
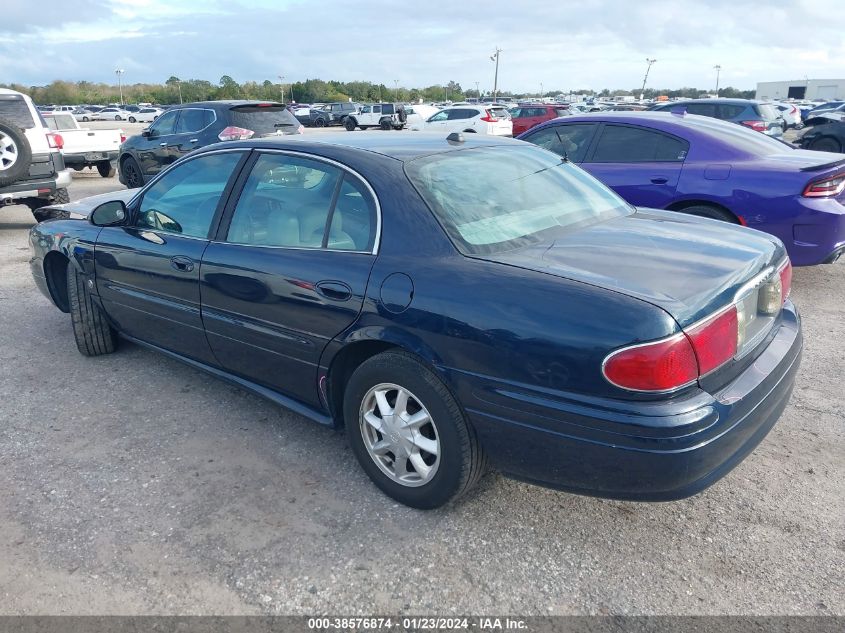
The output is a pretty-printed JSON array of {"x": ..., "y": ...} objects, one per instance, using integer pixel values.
[{"x": 836, "y": 163}]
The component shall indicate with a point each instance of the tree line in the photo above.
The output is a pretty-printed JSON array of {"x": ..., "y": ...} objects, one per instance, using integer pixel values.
[{"x": 176, "y": 90}]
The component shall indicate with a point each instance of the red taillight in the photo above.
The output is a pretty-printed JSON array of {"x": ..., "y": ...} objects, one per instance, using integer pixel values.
[
  {"x": 55, "y": 141},
  {"x": 715, "y": 340},
  {"x": 827, "y": 187},
  {"x": 759, "y": 126},
  {"x": 234, "y": 133},
  {"x": 490, "y": 117},
  {"x": 122, "y": 137},
  {"x": 660, "y": 366},
  {"x": 785, "y": 280},
  {"x": 677, "y": 361}
]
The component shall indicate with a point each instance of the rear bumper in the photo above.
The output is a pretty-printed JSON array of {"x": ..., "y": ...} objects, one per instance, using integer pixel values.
[
  {"x": 816, "y": 234},
  {"x": 655, "y": 451},
  {"x": 89, "y": 158}
]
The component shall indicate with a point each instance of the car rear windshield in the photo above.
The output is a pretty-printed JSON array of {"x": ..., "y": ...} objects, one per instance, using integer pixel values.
[
  {"x": 500, "y": 112},
  {"x": 13, "y": 108},
  {"x": 60, "y": 122},
  {"x": 494, "y": 199},
  {"x": 264, "y": 119}
]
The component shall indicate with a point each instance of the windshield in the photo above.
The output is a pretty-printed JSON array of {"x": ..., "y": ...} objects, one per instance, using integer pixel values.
[{"x": 494, "y": 199}]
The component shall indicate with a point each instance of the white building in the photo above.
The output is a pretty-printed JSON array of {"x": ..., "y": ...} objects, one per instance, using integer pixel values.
[{"x": 830, "y": 89}]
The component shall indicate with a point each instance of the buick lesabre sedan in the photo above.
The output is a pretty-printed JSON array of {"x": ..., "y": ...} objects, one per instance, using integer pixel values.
[{"x": 452, "y": 302}]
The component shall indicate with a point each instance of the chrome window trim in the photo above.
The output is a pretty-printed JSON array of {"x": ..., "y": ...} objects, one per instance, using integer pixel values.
[{"x": 342, "y": 167}]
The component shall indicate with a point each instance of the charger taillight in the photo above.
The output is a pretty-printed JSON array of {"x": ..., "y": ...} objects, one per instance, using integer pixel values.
[
  {"x": 489, "y": 117},
  {"x": 235, "y": 133},
  {"x": 827, "y": 187}
]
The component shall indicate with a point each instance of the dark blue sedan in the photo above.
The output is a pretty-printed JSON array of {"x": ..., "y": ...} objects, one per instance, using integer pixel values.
[
  {"x": 452, "y": 303},
  {"x": 702, "y": 166}
]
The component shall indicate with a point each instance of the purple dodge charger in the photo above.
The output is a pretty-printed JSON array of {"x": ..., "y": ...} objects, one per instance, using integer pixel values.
[{"x": 711, "y": 168}]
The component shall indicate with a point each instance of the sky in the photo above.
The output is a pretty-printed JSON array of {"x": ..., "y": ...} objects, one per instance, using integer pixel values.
[{"x": 561, "y": 45}]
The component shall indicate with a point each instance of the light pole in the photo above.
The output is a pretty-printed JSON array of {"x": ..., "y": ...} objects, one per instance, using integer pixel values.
[
  {"x": 495, "y": 58},
  {"x": 396, "y": 89},
  {"x": 645, "y": 79},
  {"x": 718, "y": 69},
  {"x": 282, "y": 86},
  {"x": 477, "y": 92},
  {"x": 119, "y": 72},
  {"x": 542, "y": 92},
  {"x": 179, "y": 86}
]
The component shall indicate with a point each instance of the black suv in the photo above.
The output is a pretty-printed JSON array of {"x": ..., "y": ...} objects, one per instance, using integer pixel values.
[
  {"x": 759, "y": 116},
  {"x": 184, "y": 128},
  {"x": 340, "y": 110}
]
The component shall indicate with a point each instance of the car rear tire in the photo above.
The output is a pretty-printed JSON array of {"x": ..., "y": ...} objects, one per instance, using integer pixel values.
[
  {"x": 15, "y": 153},
  {"x": 320, "y": 122},
  {"x": 106, "y": 169},
  {"x": 117, "y": 117},
  {"x": 826, "y": 144},
  {"x": 386, "y": 125},
  {"x": 714, "y": 213},
  {"x": 132, "y": 176},
  {"x": 349, "y": 124},
  {"x": 132, "y": 119},
  {"x": 409, "y": 433},
  {"x": 93, "y": 335}
]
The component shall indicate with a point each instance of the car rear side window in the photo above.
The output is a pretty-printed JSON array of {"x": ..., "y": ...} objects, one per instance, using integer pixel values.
[
  {"x": 13, "y": 108},
  {"x": 730, "y": 110},
  {"x": 264, "y": 120},
  {"x": 766, "y": 111},
  {"x": 628, "y": 144},
  {"x": 296, "y": 202},
  {"x": 461, "y": 113},
  {"x": 702, "y": 109},
  {"x": 184, "y": 200},
  {"x": 193, "y": 120},
  {"x": 571, "y": 141}
]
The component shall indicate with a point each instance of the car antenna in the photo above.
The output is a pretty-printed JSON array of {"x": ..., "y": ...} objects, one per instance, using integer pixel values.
[{"x": 565, "y": 153}]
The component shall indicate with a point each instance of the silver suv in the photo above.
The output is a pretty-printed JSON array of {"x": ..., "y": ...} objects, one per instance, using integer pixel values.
[{"x": 32, "y": 171}]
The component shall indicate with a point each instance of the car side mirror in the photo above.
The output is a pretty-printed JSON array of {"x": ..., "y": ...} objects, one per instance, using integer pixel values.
[
  {"x": 148, "y": 133},
  {"x": 109, "y": 213}
]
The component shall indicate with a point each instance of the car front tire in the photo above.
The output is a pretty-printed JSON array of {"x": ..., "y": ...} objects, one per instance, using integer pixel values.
[
  {"x": 714, "y": 213},
  {"x": 132, "y": 119},
  {"x": 409, "y": 433},
  {"x": 132, "y": 176},
  {"x": 93, "y": 335}
]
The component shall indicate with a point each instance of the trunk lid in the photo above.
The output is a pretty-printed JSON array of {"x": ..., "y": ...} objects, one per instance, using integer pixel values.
[{"x": 688, "y": 266}]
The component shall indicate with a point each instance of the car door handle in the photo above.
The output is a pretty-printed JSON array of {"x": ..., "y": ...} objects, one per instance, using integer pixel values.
[
  {"x": 194, "y": 140},
  {"x": 162, "y": 144},
  {"x": 659, "y": 180},
  {"x": 182, "y": 264},
  {"x": 334, "y": 290}
]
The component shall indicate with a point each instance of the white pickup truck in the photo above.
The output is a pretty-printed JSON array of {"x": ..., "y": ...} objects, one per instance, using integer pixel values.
[{"x": 84, "y": 147}]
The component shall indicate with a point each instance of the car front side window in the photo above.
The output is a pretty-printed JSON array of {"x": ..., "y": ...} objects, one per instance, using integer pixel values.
[
  {"x": 185, "y": 199},
  {"x": 165, "y": 124}
]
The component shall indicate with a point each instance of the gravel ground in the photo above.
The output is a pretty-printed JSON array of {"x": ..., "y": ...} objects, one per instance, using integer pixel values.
[{"x": 132, "y": 484}]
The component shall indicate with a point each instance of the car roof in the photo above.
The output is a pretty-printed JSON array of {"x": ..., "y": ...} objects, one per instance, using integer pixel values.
[
  {"x": 399, "y": 146},
  {"x": 716, "y": 100},
  {"x": 663, "y": 120},
  {"x": 226, "y": 103}
]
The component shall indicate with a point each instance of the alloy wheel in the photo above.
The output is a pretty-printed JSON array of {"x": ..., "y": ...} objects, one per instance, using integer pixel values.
[
  {"x": 399, "y": 435},
  {"x": 8, "y": 152}
]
